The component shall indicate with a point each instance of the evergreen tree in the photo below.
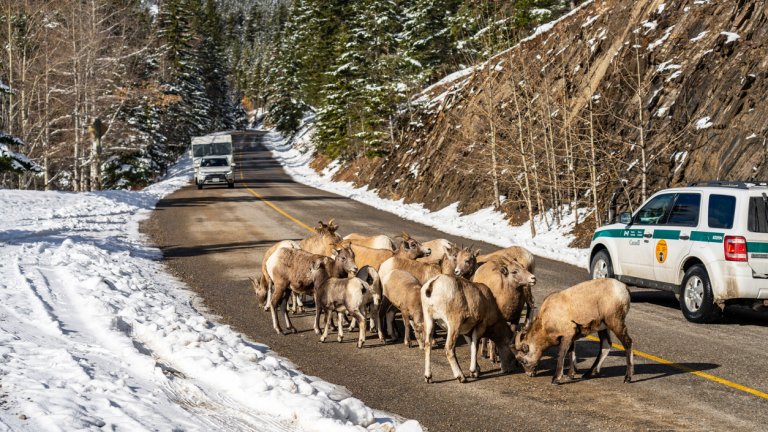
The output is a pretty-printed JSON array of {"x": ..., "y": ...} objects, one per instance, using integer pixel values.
[
  {"x": 214, "y": 67},
  {"x": 427, "y": 41},
  {"x": 9, "y": 159}
]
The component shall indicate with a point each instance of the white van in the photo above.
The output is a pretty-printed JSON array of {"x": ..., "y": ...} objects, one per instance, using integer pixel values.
[
  {"x": 707, "y": 243},
  {"x": 218, "y": 145}
]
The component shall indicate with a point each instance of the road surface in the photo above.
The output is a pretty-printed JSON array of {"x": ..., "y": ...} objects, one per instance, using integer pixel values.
[{"x": 214, "y": 238}]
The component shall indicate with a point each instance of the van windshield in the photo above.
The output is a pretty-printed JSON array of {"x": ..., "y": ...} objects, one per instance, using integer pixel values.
[
  {"x": 218, "y": 162},
  {"x": 214, "y": 149}
]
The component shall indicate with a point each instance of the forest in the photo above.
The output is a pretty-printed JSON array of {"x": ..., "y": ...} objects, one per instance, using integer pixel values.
[{"x": 100, "y": 94}]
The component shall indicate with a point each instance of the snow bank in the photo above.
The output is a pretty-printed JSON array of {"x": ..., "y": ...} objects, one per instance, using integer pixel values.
[
  {"x": 95, "y": 334},
  {"x": 486, "y": 225}
]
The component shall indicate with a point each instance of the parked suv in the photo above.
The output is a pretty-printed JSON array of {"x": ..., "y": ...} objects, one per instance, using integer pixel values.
[
  {"x": 707, "y": 243},
  {"x": 215, "y": 170}
]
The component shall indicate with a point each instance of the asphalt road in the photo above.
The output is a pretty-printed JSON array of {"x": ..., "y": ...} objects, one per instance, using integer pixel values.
[{"x": 214, "y": 238}]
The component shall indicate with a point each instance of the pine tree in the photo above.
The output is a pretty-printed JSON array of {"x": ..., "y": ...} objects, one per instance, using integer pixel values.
[
  {"x": 9, "y": 159},
  {"x": 427, "y": 42},
  {"x": 214, "y": 66}
]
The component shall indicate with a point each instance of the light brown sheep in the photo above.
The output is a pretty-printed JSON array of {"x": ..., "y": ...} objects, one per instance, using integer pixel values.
[
  {"x": 421, "y": 271},
  {"x": 263, "y": 286},
  {"x": 463, "y": 308},
  {"x": 402, "y": 292},
  {"x": 373, "y": 242},
  {"x": 439, "y": 248},
  {"x": 515, "y": 253},
  {"x": 409, "y": 249},
  {"x": 595, "y": 305},
  {"x": 322, "y": 242}
]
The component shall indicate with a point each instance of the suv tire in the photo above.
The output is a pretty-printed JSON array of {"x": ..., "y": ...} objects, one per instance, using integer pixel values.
[
  {"x": 696, "y": 299},
  {"x": 601, "y": 266},
  {"x": 199, "y": 185},
  {"x": 231, "y": 185}
]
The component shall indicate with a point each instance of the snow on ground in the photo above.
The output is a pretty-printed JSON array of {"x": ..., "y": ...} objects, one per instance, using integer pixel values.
[
  {"x": 486, "y": 225},
  {"x": 94, "y": 334}
]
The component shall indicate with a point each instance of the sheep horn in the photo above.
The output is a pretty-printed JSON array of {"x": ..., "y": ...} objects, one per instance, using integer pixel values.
[{"x": 519, "y": 340}]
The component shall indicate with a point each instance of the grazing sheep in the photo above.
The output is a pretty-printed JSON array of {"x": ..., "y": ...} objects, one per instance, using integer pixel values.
[
  {"x": 289, "y": 270},
  {"x": 510, "y": 284},
  {"x": 467, "y": 308},
  {"x": 595, "y": 305},
  {"x": 409, "y": 249},
  {"x": 373, "y": 242},
  {"x": 403, "y": 291},
  {"x": 515, "y": 253}
]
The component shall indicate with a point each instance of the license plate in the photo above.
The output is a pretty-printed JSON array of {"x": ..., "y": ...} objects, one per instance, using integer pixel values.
[{"x": 216, "y": 180}]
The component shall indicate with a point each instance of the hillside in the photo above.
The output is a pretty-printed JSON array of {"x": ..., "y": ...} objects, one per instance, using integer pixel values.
[{"x": 617, "y": 95}]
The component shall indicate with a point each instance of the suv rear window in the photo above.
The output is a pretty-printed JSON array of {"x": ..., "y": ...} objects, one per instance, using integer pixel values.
[
  {"x": 720, "y": 211},
  {"x": 758, "y": 214},
  {"x": 685, "y": 211}
]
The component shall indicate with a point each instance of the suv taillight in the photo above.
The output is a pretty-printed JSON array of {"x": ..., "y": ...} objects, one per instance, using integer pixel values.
[{"x": 735, "y": 248}]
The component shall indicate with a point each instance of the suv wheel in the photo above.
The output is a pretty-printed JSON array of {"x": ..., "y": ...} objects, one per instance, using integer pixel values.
[
  {"x": 696, "y": 299},
  {"x": 601, "y": 266},
  {"x": 231, "y": 185},
  {"x": 199, "y": 185}
]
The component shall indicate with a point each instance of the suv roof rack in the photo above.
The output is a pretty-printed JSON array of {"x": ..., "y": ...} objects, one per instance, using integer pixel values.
[{"x": 735, "y": 184}]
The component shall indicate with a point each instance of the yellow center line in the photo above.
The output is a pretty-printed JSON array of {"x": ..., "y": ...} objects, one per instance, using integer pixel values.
[
  {"x": 275, "y": 207},
  {"x": 686, "y": 369},
  {"x": 642, "y": 354}
]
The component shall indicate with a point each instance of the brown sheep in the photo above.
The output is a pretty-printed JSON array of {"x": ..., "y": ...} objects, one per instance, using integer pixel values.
[
  {"x": 439, "y": 247},
  {"x": 409, "y": 249},
  {"x": 402, "y": 291},
  {"x": 373, "y": 242},
  {"x": 421, "y": 271},
  {"x": 515, "y": 253},
  {"x": 322, "y": 242},
  {"x": 466, "y": 308},
  {"x": 595, "y": 305},
  {"x": 263, "y": 287}
]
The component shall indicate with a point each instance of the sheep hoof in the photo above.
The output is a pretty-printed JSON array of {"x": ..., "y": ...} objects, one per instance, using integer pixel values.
[
  {"x": 293, "y": 330},
  {"x": 360, "y": 344},
  {"x": 462, "y": 379},
  {"x": 428, "y": 379},
  {"x": 322, "y": 340},
  {"x": 339, "y": 339},
  {"x": 627, "y": 379},
  {"x": 475, "y": 374},
  {"x": 317, "y": 331},
  {"x": 590, "y": 374}
]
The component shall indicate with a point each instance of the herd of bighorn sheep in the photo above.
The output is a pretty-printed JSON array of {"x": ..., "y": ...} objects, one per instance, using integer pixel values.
[{"x": 481, "y": 297}]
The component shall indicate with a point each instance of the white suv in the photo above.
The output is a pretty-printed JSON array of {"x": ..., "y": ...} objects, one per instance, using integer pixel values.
[{"x": 707, "y": 243}]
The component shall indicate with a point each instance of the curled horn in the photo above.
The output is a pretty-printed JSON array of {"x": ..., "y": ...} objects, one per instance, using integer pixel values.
[
  {"x": 518, "y": 340},
  {"x": 405, "y": 236},
  {"x": 332, "y": 225}
]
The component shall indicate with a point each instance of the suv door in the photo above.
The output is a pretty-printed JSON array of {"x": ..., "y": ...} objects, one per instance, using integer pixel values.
[
  {"x": 637, "y": 254},
  {"x": 672, "y": 241},
  {"x": 757, "y": 234}
]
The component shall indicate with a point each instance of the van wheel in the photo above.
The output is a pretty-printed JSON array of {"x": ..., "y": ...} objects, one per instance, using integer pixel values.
[
  {"x": 601, "y": 266},
  {"x": 199, "y": 185},
  {"x": 696, "y": 299},
  {"x": 231, "y": 185}
]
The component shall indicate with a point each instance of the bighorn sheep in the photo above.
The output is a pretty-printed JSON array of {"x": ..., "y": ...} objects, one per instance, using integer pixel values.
[
  {"x": 322, "y": 242},
  {"x": 510, "y": 284},
  {"x": 289, "y": 270},
  {"x": 409, "y": 249},
  {"x": 341, "y": 295},
  {"x": 466, "y": 308},
  {"x": 263, "y": 286},
  {"x": 403, "y": 291},
  {"x": 515, "y": 253},
  {"x": 373, "y": 242},
  {"x": 595, "y": 305},
  {"x": 457, "y": 262},
  {"x": 439, "y": 248}
]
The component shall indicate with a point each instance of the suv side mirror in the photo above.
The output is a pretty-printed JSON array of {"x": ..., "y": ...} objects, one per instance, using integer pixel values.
[
  {"x": 233, "y": 164},
  {"x": 625, "y": 218}
]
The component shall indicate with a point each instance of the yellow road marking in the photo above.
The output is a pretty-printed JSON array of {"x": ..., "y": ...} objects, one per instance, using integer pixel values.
[
  {"x": 642, "y": 354},
  {"x": 276, "y": 208},
  {"x": 686, "y": 369}
]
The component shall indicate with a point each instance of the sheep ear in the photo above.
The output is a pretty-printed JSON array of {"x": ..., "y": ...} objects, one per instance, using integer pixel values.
[
  {"x": 524, "y": 348},
  {"x": 476, "y": 253},
  {"x": 504, "y": 270}
]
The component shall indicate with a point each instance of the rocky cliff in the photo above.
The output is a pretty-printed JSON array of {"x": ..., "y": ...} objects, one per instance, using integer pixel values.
[{"x": 620, "y": 96}]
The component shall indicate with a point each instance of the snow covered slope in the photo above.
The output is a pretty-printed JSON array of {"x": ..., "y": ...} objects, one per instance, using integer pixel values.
[{"x": 95, "y": 334}]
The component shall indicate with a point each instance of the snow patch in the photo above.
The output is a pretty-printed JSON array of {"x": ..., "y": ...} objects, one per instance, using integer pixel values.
[
  {"x": 730, "y": 37},
  {"x": 703, "y": 123}
]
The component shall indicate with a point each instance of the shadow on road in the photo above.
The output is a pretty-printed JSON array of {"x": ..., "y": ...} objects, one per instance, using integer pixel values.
[{"x": 190, "y": 251}]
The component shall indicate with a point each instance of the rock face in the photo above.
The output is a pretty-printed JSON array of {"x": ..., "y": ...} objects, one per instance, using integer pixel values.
[{"x": 616, "y": 94}]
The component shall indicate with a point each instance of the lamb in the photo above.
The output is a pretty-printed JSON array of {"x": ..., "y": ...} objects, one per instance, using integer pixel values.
[
  {"x": 515, "y": 253},
  {"x": 373, "y": 242},
  {"x": 402, "y": 291},
  {"x": 409, "y": 249},
  {"x": 289, "y": 270},
  {"x": 341, "y": 295},
  {"x": 511, "y": 291},
  {"x": 322, "y": 242},
  {"x": 595, "y": 305},
  {"x": 439, "y": 247},
  {"x": 466, "y": 308}
]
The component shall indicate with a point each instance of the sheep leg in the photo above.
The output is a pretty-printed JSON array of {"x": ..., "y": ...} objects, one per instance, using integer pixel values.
[
  {"x": 605, "y": 346},
  {"x": 419, "y": 334},
  {"x": 626, "y": 341},
  {"x": 317, "y": 315},
  {"x": 273, "y": 309},
  {"x": 565, "y": 346},
  {"x": 572, "y": 360},
  {"x": 493, "y": 351},
  {"x": 328, "y": 320},
  {"x": 450, "y": 352},
  {"x": 391, "y": 324},
  {"x": 300, "y": 303},
  {"x": 474, "y": 369},
  {"x": 376, "y": 319},
  {"x": 428, "y": 327},
  {"x": 341, "y": 329},
  {"x": 270, "y": 288},
  {"x": 288, "y": 325},
  {"x": 363, "y": 322}
]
